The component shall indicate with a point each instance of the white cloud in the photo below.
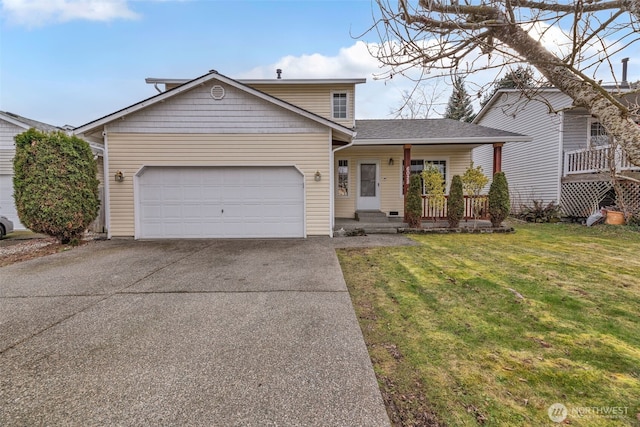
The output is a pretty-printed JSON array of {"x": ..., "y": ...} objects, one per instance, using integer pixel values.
[
  {"x": 374, "y": 99},
  {"x": 33, "y": 13}
]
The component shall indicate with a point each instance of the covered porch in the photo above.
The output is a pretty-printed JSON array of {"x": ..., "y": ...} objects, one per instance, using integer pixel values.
[{"x": 372, "y": 173}]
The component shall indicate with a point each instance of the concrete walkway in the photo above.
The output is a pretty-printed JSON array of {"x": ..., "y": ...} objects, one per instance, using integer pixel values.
[{"x": 228, "y": 333}]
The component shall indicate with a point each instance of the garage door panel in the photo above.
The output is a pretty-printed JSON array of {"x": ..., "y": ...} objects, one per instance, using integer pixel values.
[
  {"x": 151, "y": 213},
  {"x": 221, "y": 202}
]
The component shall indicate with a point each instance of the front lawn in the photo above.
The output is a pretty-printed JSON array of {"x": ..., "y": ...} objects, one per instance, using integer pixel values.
[{"x": 470, "y": 329}]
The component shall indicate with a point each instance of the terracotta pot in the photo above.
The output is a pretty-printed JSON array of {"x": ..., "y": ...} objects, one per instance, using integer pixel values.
[{"x": 614, "y": 218}]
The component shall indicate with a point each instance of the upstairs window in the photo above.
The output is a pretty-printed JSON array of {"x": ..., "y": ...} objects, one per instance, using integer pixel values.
[
  {"x": 339, "y": 105},
  {"x": 343, "y": 178},
  {"x": 598, "y": 135}
]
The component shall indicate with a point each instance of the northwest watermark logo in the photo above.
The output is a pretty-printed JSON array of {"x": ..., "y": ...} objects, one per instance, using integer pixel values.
[{"x": 559, "y": 412}]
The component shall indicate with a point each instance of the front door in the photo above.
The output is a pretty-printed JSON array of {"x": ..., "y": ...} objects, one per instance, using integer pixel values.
[{"x": 369, "y": 185}]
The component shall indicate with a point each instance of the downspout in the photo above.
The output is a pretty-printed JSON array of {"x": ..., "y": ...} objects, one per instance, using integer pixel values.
[
  {"x": 107, "y": 175},
  {"x": 332, "y": 210},
  {"x": 560, "y": 156}
]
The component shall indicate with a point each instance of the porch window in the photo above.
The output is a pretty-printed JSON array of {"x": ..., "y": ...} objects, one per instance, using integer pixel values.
[
  {"x": 343, "y": 178},
  {"x": 339, "y": 105},
  {"x": 441, "y": 165},
  {"x": 418, "y": 165},
  {"x": 598, "y": 135}
]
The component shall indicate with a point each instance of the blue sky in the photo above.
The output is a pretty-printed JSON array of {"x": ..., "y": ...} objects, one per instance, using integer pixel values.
[
  {"x": 72, "y": 61},
  {"x": 76, "y": 70}
]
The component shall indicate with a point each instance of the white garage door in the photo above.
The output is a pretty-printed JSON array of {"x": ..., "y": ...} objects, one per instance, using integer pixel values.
[
  {"x": 7, "y": 203},
  {"x": 200, "y": 202}
]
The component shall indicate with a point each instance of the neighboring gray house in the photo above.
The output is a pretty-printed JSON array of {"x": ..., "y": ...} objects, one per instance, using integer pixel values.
[
  {"x": 11, "y": 125},
  {"x": 566, "y": 162}
]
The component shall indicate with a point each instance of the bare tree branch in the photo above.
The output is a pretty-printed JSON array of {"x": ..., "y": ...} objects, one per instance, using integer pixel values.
[{"x": 452, "y": 36}]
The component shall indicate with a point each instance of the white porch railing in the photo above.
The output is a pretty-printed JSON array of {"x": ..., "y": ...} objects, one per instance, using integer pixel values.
[{"x": 597, "y": 159}]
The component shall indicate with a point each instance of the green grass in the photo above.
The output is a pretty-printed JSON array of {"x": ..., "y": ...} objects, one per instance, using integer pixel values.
[{"x": 453, "y": 341}]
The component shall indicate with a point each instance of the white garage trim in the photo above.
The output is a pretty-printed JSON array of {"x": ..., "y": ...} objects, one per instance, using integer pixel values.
[{"x": 212, "y": 202}]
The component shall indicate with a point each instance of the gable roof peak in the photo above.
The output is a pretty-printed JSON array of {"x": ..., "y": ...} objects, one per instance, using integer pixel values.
[{"x": 199, "y": 81}]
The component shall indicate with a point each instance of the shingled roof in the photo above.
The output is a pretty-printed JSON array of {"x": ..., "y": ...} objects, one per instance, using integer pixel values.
[
  {"x": 430, "y": 131},
  {"x": 27, "y": 123}
]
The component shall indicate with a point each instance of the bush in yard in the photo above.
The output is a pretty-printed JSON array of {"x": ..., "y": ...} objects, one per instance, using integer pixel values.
[
  {"x": 499, "y": 203},
  {"x": 434, "y": 189},
  {"x": 473, "y": 182},
  {"x": 455, "y": 202},
  {"x": 55, "y": 184},
  {"x": 540, "y": 212},
  {"x": 413, "y": 207}
]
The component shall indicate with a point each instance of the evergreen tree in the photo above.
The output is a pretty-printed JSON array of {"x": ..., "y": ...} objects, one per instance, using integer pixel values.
[
  {"x": 455, "y": 202},
  {"x": 459, "y": 106},
  {"x": 55, "y": 184},
  {"x": 520, "y": 78},
  {"x": 499, "y": 202},
  {"x": 413, "y": 206}
]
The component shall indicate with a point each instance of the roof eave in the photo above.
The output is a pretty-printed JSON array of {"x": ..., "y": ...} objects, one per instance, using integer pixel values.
[
  {"x": 156, "y": 80},
  {"x": 14, "y": 121},
  {"x": 303, "y": 81},
  {"x": 444, "y": 141}
]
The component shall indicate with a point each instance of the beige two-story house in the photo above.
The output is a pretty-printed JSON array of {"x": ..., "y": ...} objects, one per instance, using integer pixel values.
[{"x": 218, "y": 157}]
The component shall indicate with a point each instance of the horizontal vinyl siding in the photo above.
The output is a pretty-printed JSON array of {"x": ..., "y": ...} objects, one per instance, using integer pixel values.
[
  {"x": 314, "y": 98},
  {"x": 130, "y": 152},
  {"x": 575, "y": 136},
  {"x": 6, "y": 160},
  {"x": 7, "y": 146},
  {"x": 196, "y": 111},
  {"x": 391, "y": 198},
  {"x": 532, "y": 168},
  {"x": 483, "y": 157},
  {"x": 7, "y": 132}
]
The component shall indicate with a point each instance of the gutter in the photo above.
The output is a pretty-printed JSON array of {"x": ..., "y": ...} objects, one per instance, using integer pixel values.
[{"x": 445, "y": 141}]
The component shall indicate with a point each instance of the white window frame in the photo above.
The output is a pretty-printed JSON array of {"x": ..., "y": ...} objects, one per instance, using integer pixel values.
[
  {"x": 590, "y": 123},
  {"x": 333, "y": 106},
  {"x": 425, "y": 160},
  {"x": 348, "y": 195}
]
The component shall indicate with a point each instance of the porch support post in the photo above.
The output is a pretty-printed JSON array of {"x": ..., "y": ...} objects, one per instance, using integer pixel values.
[
  {"x": 497, "y": 157},
  {"x": 406, "y": 175}
]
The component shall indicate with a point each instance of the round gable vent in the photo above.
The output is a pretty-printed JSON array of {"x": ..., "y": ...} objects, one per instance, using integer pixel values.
[{"x": 217, "y": 92}]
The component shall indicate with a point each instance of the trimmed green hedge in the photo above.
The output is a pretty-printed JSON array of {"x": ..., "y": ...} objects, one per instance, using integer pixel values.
[
  {"x": 455, "y": 202},
  {"x": 413, "y": 206},
  {"x": 499, "y": 203},
  {"x": 55, "y": 184}
]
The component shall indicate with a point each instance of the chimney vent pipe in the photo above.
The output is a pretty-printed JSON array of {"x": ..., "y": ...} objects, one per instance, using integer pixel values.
[
  {"x": 279, "y": 73},
  {"x": 624, "y": 71}
]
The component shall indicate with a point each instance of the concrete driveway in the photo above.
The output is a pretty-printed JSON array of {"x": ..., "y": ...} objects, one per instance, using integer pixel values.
[{"x": 225, "y": 333}]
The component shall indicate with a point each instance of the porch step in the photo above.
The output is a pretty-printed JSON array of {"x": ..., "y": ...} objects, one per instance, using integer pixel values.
[{"x": 371, "y": 216}]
